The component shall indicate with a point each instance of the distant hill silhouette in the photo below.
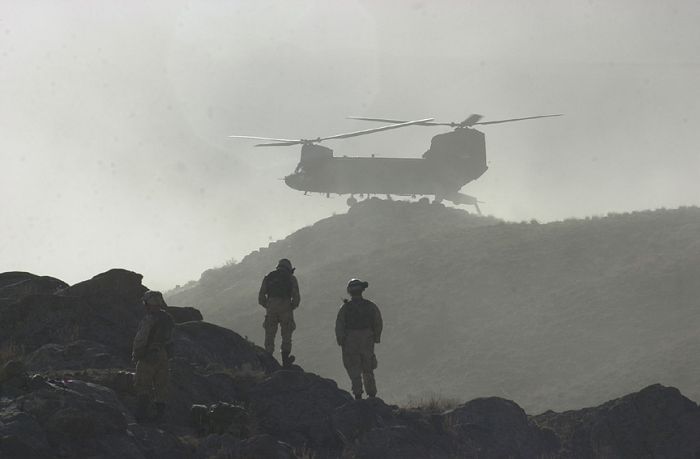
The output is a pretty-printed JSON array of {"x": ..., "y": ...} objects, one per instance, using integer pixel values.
[{"x": 556, "y": 316}]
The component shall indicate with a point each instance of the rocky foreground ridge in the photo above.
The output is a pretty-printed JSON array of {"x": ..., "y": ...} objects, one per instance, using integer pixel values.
[{"x": 66, "y": 391}]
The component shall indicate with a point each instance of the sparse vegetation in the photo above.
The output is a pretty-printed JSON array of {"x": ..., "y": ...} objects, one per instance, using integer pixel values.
[{"x": 431, "y": 402}]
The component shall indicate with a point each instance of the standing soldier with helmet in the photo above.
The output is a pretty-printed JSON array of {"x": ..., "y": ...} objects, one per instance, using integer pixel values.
[
  {"x": 279, "y": 295},
  {"x": 358, "y": 328},
  {"x": 151, "y": 349}
]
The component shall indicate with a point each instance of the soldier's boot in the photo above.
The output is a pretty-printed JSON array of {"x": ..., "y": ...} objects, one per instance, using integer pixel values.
[
  {"x": 160, "y": 411},
  {"x": 287, "y": 359},
  {"x": 358, "y": 396},
  {"x": 142, "y": 405}
]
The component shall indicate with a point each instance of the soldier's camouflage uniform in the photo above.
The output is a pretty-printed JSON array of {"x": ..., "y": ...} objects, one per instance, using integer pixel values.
[
  {"x": 150, "y": 350},
  {"x": 279, "y": 312},
  {"x": 357, "y": 328}
]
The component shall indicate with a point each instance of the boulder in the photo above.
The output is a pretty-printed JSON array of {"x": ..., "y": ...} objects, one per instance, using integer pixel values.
[
  {"x": 21, "y": 435},
  {"x": 495, "y": 427},
  {"x": 76, "y": 355},
  {"x": 16, "y": 285},
  {"x": 355, "y": 418},
  {"x": 209, "y": 346},
  {"x": 69, "y": 418},
  {"x": 220, "y": 418},
  {"x": 14, "y": 379},
  {"x": 655, "y": 422},
  {"x": 181, "y": 315},
  {"x": 400, "y": 442},
  {"x": 298, "y": 408},
  {"x": 257, "y": 447},
  {"x": 105, "y": 310},
  {"x": 115, "y": 283}
]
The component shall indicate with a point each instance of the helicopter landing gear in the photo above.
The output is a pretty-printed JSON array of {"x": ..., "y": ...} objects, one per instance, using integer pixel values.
[{"x": 351, "y": 201}]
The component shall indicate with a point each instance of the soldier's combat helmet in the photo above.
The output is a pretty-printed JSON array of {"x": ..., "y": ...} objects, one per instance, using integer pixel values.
[
  {"x": 286, "y": 264},
  {"x": 153, "y": 298},
  {"x": 357, "y": 284}
]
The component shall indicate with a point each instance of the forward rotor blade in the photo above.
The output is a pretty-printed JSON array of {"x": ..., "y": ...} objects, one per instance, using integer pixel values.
[
  {"x": 280, "y": 144},
  {"x": 273, "y": 142},
  {"x": 387, "y": 120},
  {"x": 379, "y": 129},
  {"x": 272, "y": 139},
  {"x": 518, "y": 119}
]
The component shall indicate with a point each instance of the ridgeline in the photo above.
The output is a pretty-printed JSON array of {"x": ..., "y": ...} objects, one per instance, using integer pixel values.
[{"x": 555, "y": 316}]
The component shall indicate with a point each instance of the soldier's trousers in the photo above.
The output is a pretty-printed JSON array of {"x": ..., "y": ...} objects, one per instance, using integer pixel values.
[
  {"x": 279, "y": 316},
  {"x": 151, "y": 377},
  {"x": 359, "y": 360}
]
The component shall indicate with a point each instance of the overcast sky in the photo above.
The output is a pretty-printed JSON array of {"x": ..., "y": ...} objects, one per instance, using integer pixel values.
[{"x": 114, "y": 116}]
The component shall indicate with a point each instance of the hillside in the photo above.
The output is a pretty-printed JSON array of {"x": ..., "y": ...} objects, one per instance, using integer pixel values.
[{"x": 556, "y": 316}]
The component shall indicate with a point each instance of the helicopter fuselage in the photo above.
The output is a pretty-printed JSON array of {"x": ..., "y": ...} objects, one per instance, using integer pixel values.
[{"x": 453, "y": 160}]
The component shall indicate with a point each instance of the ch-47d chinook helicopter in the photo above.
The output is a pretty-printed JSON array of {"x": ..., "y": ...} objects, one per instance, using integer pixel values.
[{"x": 454, "y": 159}]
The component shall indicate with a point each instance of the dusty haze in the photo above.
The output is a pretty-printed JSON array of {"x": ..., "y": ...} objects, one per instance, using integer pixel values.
[{"x": 114, "y": 118}]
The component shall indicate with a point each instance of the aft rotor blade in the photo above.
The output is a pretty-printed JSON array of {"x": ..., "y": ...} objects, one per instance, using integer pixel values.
[
  {"x": 387, "y": 120},
  {"x": 518, "y": 119},
  {"x": 379, "y": 129}
]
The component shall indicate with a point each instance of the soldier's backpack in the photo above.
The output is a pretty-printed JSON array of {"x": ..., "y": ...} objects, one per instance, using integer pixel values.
[
  {"x": 279, "y": 284},
  {"x": 359, "y": 315},
  {"x": 162, "y": 332}
]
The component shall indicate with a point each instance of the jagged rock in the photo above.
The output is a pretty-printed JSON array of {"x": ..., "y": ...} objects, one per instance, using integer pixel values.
[
  {"x": 190, "y": 387},
  {"x": 14, "y": 379},
  {"x": 182, "y": 315},
  {"x": 115, "y": 282},
  {"x": 257, "y": 447},
  {"x": 220, "y": 418},
  {"x": 298, "y": 408},
  {"x": 76, "y": 419},
  {"x": 21, "y": 435},
  {"x": 265, "y": 446},
  {"x": 371, "y": 429},
  {"x": 495, "y": 427},
  {"x": 356, "y": 418},
  {"x": 656, "y": 422},
  {"x": 208, "y": 345},
  {"x": 16, "y": 285},
  {"x": 105, "y": 310},
  {"x": 76, "y": 355},
  {"x": 155, "y": 442},
  {"x": 400, "y": 442}
]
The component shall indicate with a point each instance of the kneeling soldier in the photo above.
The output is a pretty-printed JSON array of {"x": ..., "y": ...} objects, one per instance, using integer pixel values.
[{"x": 358, "y": 328}]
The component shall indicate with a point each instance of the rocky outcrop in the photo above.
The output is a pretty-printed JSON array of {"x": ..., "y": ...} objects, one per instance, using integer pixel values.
[
  {"x": 297, "y": 407},
  {"x": 657, "y": 422},
  {"x": 71, "y": 395},
  {"x": 15, "y": 285}
]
